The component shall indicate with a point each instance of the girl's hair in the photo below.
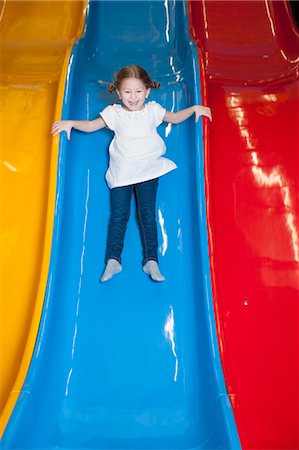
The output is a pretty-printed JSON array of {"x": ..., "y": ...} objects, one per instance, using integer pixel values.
[{"x": 133, "y": 71}]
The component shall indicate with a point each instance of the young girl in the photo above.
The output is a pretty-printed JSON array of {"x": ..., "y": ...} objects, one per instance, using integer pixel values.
[{"x": 136, "y": 161}]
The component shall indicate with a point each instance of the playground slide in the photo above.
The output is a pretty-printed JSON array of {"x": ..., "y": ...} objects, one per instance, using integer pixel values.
[
  {"x": 129, "y": 364},
  {"x": 36, "y": 37},
  {"x": 250, "y": 55}
]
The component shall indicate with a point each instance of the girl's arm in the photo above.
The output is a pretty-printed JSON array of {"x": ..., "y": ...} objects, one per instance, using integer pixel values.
[
  {"x": 184, "y": 114},
  {"x": 87, "y": 126}
]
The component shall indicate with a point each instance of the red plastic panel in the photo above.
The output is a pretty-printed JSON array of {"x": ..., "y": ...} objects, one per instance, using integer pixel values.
[{"x": 249, "y": 55}]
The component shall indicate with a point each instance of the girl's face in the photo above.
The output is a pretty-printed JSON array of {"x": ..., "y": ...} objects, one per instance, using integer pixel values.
[{"x": 133, "y": 93}]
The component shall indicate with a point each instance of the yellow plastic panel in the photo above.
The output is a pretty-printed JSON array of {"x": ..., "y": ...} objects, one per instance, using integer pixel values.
[{"x": 35, "y": 42}]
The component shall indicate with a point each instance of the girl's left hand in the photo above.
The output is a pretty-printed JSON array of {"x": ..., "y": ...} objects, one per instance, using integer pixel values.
[{"x": 202, "y": 111}]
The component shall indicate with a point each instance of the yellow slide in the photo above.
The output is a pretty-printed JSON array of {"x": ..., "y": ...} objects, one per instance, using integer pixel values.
[{"x": 36, "y": 41}]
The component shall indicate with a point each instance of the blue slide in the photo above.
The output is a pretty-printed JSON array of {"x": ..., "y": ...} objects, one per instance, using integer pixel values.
[{"x": 128, "y": 364}]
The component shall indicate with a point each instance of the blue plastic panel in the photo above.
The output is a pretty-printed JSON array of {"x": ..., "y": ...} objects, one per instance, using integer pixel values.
[{"x": 129, "y": 364}]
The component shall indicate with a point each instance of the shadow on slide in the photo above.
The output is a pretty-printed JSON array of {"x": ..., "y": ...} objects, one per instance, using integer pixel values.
[{"x": 129, "y": 364}]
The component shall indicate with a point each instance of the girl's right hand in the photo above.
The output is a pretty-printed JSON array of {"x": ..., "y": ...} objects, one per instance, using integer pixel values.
[{"x": 62, "y": 125}]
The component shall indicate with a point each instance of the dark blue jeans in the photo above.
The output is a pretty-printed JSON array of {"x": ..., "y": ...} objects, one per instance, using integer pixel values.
[{"x": 145, "y": 195}]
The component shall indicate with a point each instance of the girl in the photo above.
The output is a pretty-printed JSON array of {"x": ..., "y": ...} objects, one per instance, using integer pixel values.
[{"x": 136, "y": 161}]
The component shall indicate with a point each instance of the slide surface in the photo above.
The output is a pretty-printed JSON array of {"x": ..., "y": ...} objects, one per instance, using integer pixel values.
[
  {"x": 250, "y": 54},
  {"x": 35, "y": 37},
  {"x": 129, "y": 364}
]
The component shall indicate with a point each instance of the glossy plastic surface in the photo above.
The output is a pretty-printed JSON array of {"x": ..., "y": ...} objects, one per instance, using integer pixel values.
[
  {"x": 35, "y": 37},
  {"x": 129, "y": 364},
  {"x": 250, "y": 53}
]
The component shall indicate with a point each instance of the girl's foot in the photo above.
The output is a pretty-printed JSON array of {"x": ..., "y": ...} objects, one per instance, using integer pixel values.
[
  {"x": 112, "y": 268},
  {"x": 152, "y": 269}
]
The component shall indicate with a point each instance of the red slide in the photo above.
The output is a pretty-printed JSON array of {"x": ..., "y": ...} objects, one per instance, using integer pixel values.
[{"x": 249, "y": 55}]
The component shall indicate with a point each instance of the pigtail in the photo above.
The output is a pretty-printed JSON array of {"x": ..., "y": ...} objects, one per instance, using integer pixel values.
[
  {"x": 115, "y": 85},
  {"x": 111, "y": 88},
  {"x": 154, "y": 85}
]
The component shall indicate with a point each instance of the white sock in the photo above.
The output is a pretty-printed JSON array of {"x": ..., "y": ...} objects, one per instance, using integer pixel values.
[
  {"x": 152, "y": 269},
  {"x": 112, "y": 267}
]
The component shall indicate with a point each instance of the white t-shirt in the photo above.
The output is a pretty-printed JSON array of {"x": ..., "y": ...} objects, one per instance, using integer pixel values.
[{"x": 136, "y": 149}]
